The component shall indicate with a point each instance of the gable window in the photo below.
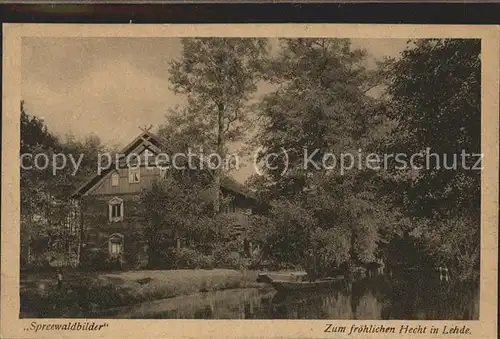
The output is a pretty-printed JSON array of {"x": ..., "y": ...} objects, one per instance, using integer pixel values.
[
  {"x": 134, "y": 175},
  {"x": 230, "y": 206},
  {"x": 115, "y": 208},
  {"x": 163, "y": 171},
  {"x": 115, "y": 179}
]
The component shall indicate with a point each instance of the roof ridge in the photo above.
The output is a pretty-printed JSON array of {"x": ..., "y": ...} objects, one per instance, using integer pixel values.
[{"x": 240, "y": 188}]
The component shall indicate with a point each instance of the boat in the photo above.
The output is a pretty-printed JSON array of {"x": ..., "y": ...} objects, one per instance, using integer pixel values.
[
  {"x": 292, "y": 286},
  {"x": 268, "y": 277}
]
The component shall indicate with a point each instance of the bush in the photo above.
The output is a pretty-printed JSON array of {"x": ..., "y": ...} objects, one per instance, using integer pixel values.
[
  {"x": 113, "y": 263},
  {"x": 79, "y": 298},
  {"x": 98, "y": 260},
  {"x": 357, "y": 271},
  {"x": 184, "y": 258},
  {"x": 159, "y": 258},
  {"x": 37, "y": 266},
  {"x": 456, "y": 242},
  {"x": 224, "y": 257}
]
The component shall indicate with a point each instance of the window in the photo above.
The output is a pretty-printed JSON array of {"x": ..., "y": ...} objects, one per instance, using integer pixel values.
[
  {"x": 115, "y": 179},
  {"x": 115, "y": 248},
  {"x": 134, "y": 175},
  {"x": 230, "y": 207},
  {"x": 115, "y": 244},
  {"x": 115, "y": 209},
  {"x": 163, "y": 171}
]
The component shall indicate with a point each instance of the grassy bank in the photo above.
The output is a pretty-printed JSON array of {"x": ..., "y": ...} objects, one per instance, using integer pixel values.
[{"x": 83, "y": 292}]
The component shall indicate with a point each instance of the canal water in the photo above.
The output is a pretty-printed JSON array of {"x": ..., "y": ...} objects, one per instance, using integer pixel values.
[{"x": 376, "y": 298}]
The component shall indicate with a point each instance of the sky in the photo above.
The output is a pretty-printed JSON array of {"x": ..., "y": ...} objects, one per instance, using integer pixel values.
[{"x": 110, "y": 86}]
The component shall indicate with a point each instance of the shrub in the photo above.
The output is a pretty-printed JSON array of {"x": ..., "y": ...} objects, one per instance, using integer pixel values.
[
  {"x": 159, "y": 258},
  {"x": 113, "y": 263},
  {"x": 190, "y": 258},
  {"x": 224, "y": 257},
  {"x": 80, "y": 297},
  {"x": 37, "y": 266},
  {"x": 456, "y": 242},
  {"x": 357, "y": 271},
  {"x": 98, "y": 260}
]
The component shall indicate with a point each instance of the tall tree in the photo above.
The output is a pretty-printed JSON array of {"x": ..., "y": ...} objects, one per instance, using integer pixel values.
[
  {"x": 89, "y": 147},
  {"x": 45, "y": 188},
  {"x": 434, "y": 99},
  {"x": 322, "y": 105},
  {"x": 34, "y": 132},
  {"x": 217, "y": 77},
  {"x": 436, "y": 105},
  {"x": 37, "y": 183}
]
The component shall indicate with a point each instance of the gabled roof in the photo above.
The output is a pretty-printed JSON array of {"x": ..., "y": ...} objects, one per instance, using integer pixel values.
[
  {"x": 155, "y": 144},
  {"x": 234, "y": 186}
]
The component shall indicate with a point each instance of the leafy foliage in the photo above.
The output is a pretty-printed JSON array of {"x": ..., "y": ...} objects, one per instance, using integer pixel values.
[
  {"x": 320, "y": 107},
  {"x": 436, "y": 105},
  {"x": 456, "y": 242},
  {"x": 178, "y": 209},
  {"x": 217, "y": 76},
  {"x": 46, "y": 191},
  {"x": 284, "y": 233}
]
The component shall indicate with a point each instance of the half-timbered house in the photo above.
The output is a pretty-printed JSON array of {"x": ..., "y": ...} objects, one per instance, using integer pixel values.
[{"x": 108, "y": 203}]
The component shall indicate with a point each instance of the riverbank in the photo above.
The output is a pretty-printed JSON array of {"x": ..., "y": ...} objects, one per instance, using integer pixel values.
[
  {"x": 82, "y": 292},
  {"x": 374, "y": 298}
]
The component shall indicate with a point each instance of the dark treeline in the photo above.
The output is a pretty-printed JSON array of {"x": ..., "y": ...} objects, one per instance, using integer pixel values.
[
  {"x": 430, "y": 99},
  {"x": 45, "y": 197}
]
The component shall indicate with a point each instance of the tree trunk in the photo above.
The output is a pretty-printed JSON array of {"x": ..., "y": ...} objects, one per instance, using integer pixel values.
[
  {"x": 80, "y": 235},
  {"x": 220, "y": 153},
  {"x": 352, "y": 251}
]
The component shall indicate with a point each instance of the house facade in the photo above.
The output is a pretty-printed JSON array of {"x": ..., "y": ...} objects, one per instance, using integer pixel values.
[{"x": 110, "y": 220}]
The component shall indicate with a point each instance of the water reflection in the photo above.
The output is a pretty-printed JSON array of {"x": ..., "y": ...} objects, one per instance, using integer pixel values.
[
  {"x": 375, "y": 298},
  {"x": 229, "y": 304}
]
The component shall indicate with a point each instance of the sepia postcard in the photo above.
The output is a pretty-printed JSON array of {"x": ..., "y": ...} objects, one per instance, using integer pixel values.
[{"x": 249, "y": 181}]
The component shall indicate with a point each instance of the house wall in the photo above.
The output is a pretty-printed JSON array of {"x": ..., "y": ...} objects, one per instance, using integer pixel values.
[
  {"x": 148, "y": 177},
  {"x": 98, "y": 228}
]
